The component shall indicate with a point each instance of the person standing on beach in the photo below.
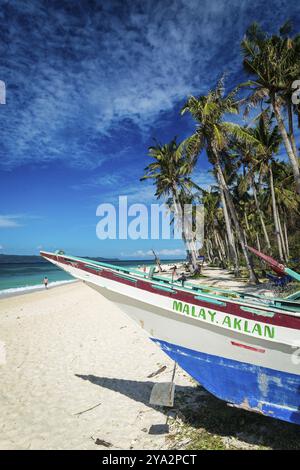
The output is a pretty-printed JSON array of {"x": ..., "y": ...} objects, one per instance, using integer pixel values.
[
  {"x": 174, "y": 272},
  {"x": 46, "y": 282}
]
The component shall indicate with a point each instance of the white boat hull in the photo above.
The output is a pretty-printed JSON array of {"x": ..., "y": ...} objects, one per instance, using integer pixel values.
[{"x": 253, "y": 366}]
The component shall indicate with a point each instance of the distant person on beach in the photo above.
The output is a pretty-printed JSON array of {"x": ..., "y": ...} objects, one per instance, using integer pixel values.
[
  {"x": 174, "y": 272},
  {"x": 46, "y": 282}
]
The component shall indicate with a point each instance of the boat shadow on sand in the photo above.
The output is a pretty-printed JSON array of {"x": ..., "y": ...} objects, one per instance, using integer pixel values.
[{"x": 208, "y": 419}]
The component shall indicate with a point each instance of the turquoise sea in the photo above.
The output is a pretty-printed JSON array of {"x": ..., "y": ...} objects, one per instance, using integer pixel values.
[{"x": 20, "y": 277}]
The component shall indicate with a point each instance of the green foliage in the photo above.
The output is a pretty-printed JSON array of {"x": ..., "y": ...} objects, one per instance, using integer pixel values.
[{"x": 245, "y": 156}]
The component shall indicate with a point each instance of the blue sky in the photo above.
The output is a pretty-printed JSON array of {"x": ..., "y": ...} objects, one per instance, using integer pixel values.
[{"x": 89, "y": 85}]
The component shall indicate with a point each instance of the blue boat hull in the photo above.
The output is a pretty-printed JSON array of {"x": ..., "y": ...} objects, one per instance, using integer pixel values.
[{"x": 267, "y": 391}]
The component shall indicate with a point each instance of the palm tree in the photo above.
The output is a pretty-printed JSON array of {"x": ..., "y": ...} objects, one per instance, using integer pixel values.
[
  {"x": 274, "y": 61},
  {"x": 292, "y": 45},
  {"x": 171, "y": 171},
  {"x": 214, "y": 224},
  {"x": 214, "y": 134},
  {"x": 258, "y": 161},
  {"x": 283, "y": 201}
]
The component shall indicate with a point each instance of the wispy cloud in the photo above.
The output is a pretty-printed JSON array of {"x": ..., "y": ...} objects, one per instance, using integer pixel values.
[
  {"x": 15, "y": 220},
  {"x": 204, "y": 179},
  {"x": 111, "y": 186},
  {"x": 77, "y": 75},
  {"x": 99, "y": 182},
  {"x": 9, "y": 221}
]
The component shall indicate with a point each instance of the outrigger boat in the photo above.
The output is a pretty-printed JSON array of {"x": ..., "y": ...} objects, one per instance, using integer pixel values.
[
  {"x": 279, "y": 268},
  {"x": 243, "y": 348}
]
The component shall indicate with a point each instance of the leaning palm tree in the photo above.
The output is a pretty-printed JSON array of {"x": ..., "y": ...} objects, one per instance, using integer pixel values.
[
  {"x": 274, "y": 61},
  {"x": 214, "y": 134},
  {"x": 171, "y": 170}
]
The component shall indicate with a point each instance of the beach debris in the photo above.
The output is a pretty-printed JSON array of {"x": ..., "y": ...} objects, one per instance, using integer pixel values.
[
  {"x": 88, "y": 409},
  {"x": 162, "y": 394},
  {"x": 183, "y": 443},
  {"x": 157, "y": 429},
  {"x": 20, "y": 365},
  {"x": 159, "y": 371},
  {"x": 102, "y": 442}
]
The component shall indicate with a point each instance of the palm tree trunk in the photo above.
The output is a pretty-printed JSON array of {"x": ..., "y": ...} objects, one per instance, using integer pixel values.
[
  {"x": 218, "y": 247},
  {"x": 222, "y": 246},
  {"x": 281, "y": 236},
  {"x": 252, "y": 275},
  {"x": 274, "y": 207},
  {"x": 261, "y": 217},
  {"x": 227, "y": 247},
  {"x": 191, "y": 251},
  {"x": 286, "y": 237},
  {"x": 230, "y": 236},
  {"x": 291, "y": 129},
  {"x": 246, "y": 221},
  {"x": 194, "y": 256},
  {"x": 188, "y": 230},
  {"x": 207, "y": 249},
  {"x": 287, "y": 144},
  {"x": 258, "y": 242}
]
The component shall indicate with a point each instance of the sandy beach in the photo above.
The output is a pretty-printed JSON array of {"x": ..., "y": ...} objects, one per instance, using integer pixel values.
[
  {"x": 68, "y": 350},
  {"x": 76, "y": 373}
]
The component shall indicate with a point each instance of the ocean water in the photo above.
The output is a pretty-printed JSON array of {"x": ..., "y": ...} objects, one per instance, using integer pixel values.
[{"x": 21, "y": 277}]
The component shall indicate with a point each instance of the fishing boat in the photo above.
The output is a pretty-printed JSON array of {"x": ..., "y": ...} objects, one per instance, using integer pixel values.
[{"x": 241, "y": 347}]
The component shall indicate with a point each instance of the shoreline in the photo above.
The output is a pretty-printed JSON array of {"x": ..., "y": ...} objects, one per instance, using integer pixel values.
[{"x": 19, "y": 291}]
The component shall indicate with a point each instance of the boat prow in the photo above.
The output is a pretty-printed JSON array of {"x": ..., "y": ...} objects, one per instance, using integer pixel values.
[{"x": 241, "y": 347}]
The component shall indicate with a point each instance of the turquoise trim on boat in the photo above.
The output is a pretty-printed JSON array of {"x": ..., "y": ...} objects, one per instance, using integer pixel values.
[
  {"x": 128, "y": 278},
  {"x": 105, "y": 265},
  {"x": 290, "y": 306},
  {"x": 94, "y": 267},
  {"x": 167, "y": 289},
  {"x": 295, "y": 296},
  {"x": 262, "y": 313},
  {"x": 210, "y": 300},
  {"x": 214, "y": 294},
  {"x": 292, "y": 273}
]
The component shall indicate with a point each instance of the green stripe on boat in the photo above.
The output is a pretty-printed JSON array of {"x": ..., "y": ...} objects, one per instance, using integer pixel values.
[
  {"x": 210, "y": 300},
  {"x": 292, "y": 273},
  {"x": 167, "y": 289},
  {"x": 263, "y": 313},
  {"x": 128, "y": 278}
]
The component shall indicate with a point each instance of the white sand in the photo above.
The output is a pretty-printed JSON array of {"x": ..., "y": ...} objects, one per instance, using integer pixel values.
[{"x": 53, "y": 337}]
